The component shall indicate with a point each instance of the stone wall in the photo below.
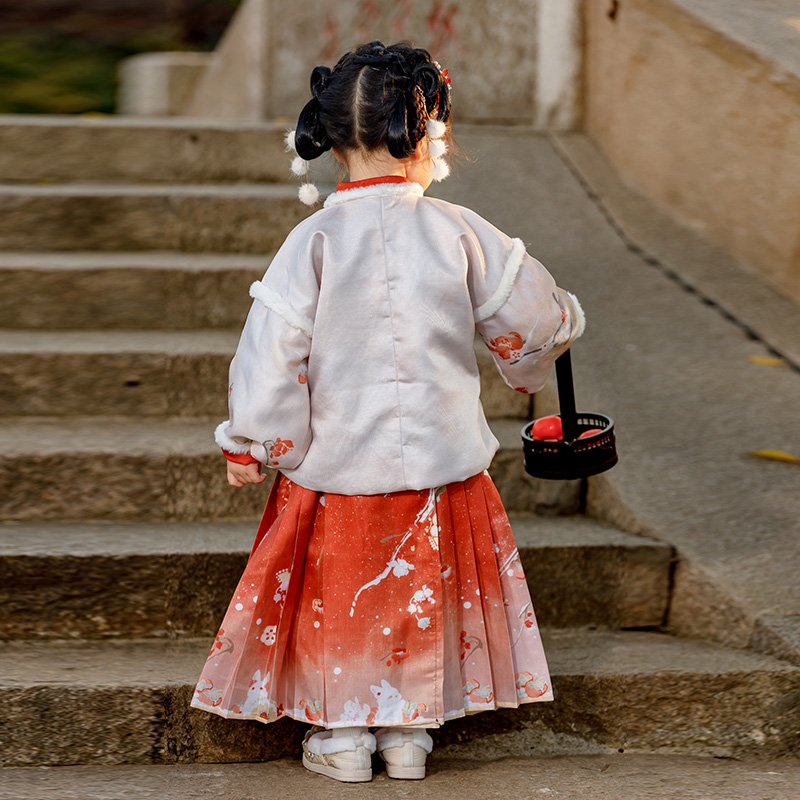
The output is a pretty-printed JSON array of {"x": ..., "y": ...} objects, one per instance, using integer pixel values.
[
  {"x": 698, "y": 107},
  {"x": 494, "y": 52}
]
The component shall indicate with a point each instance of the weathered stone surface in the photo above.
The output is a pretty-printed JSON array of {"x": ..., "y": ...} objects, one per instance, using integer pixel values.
[
  {"x": 705, "y": 150},
  {"x": 629, "y": 690},
  {"x": 102, "y": 291},
  {"x": 687, "y": 388},
  {"x": 256, "y": 75},
  {"x": 580, "y": 573},
  {"x": 114, "y": 724},
  {"x": 225, "y": 219},
  {"x": 124, "y": 579},
  {"x": 97, "y": 484},
  {"x": 158, "y": 84},
  {"x": 543, "y": 765},
  {"x": 172, "y": 469},
  {"x": 778, "y": 636},
  {"x": 128, "y": 149},
  {"x": 708, "y": 268},
  {"x": 152, "y": 374}
]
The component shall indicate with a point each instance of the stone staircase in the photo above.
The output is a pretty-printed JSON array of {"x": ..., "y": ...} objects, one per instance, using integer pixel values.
[{"x": 126, "y": 250}]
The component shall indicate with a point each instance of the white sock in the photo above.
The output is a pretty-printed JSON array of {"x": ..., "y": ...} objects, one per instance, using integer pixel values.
[{"x": 352, "y": 731}]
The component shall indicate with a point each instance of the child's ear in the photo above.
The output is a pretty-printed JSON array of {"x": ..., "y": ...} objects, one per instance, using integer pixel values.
[
  {"x": 338, "y": 156},
  {"x": 418, "y": 154}
]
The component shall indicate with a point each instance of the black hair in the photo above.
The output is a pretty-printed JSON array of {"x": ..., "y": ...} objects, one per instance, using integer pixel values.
[{"x": 376, "y": 96}]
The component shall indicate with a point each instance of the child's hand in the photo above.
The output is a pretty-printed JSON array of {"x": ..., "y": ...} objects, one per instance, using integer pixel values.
[{"x": 241, "y": 474}]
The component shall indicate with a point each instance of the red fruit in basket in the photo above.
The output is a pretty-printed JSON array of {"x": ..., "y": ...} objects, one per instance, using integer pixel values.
[
  {"x": 547, "y": 428},
  {"x": 590, "y": 432}
]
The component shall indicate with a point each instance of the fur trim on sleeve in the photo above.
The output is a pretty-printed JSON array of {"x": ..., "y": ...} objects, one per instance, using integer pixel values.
[
  {"x": 272, "y": 300},
  {"x": 503, "y": 290},
  {"x": 579, "y": 323},
  {"x": 225, "y": 441}
]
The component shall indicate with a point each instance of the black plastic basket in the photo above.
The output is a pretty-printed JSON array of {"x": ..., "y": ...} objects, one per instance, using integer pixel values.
[{"x": 571, "y": 457}]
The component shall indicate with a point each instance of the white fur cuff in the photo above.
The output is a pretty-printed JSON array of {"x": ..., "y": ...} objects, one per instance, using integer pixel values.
[
  {"x": 324, "y": 743},
  {"x": 272, "y": 300},
  {"x": 225, "y": 441},
  {"x": 579, "y": 321},
  {"x": 503, "y": 290},
  {"x": 393, "y": 737}
]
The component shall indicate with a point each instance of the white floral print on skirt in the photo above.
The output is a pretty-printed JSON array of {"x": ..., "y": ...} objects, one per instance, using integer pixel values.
[{"x": 403, "y": 609}]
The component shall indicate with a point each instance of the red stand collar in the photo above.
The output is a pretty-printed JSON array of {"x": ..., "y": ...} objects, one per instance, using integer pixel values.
[{"x": 341, "y": 187}]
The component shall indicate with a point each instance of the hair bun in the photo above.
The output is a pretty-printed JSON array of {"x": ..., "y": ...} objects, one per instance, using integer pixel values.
[
  {"x": 428, "y": 78},
  {"x": 320, "y": 78}
]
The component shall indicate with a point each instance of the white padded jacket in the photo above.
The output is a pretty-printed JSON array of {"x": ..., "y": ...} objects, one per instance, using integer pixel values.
[{"x": 355, "y": 372}]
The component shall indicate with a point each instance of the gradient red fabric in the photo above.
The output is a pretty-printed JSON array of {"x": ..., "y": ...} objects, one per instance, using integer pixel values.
[{"x": 409, "y": 608}]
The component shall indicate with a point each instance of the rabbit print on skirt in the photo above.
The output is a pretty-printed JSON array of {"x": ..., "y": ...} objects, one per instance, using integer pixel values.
[{"x": 403, "y": 609}]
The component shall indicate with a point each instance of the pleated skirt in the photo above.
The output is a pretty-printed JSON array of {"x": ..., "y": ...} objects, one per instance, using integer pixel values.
[{"x": 408, "y": 609}]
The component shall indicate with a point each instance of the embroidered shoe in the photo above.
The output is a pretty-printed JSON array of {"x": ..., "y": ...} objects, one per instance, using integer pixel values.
[
  {"x": 404, "y": 751},
  {"x": 344, "y": 754}
]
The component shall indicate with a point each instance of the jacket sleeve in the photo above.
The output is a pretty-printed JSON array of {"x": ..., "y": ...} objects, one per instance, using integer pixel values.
[
  {"x": 268, "y": 394},
  {"x": 521, "y": 315}
]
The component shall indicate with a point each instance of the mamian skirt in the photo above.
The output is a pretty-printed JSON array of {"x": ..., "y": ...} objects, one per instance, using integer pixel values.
[{"x": 403, "y": 609}]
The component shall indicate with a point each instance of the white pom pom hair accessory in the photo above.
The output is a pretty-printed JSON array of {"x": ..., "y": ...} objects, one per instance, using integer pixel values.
[
  {"x": 436, "y": 128},
  {"x": 299, "y": 166},
  {"x": 308, "y": 193},
  {"x": 437, "y": 148}
]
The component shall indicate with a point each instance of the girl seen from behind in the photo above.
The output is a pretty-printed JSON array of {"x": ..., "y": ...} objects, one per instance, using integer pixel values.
[{"x": 384, "y": 588}]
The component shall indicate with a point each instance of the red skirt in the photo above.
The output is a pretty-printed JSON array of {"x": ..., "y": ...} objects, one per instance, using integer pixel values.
[{"x": 409, "y": 608}]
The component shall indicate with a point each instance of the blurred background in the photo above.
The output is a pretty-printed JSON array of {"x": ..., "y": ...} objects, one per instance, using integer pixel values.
[
  {"x": 61, "y": 56},
  {"x": 646, "y": 151}
]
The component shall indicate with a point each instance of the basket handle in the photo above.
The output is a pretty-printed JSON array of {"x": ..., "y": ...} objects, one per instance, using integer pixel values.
[{"x": 566, "y": 397}]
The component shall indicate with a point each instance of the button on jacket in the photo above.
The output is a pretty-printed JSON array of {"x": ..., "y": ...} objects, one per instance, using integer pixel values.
[{"x": 355, "y": 372}]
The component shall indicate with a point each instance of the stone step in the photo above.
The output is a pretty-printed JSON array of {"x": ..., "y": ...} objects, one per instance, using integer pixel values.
[
  {"x": 124, "y": 468},
  {"x": 129, "y": 579},
  {"x": 127, "y": 701},
  {"x": 529, "y": 766},
  {"x": 238, "y": 218},
  {"x": 98, "y": 291},
  {"x": 153, "y": 373},
  {"x": 128, "y": 149}
]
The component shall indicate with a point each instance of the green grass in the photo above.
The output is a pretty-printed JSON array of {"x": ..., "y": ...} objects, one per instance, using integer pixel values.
[{"x": 53, "y": 73}]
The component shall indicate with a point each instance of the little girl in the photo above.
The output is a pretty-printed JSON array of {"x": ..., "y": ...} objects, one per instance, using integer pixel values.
[{"x": 384, "y": 587}]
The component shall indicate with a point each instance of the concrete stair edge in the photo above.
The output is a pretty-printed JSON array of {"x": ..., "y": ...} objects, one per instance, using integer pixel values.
[
  {"x": 127, "y": 702},
  {"x": 172, "y": 469},
  {"x": 154, "y": 373},
  {"x": 131, "y": 580},
  {"x": 498, "y": 766}
]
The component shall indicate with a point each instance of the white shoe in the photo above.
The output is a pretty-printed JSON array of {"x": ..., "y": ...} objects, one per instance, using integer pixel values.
[
  {"x": 344, "y": 754},
  {"x": 404, "y": 750}
]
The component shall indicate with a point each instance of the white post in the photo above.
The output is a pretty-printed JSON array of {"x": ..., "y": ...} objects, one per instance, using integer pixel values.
[{"x": 558, "y": 72}]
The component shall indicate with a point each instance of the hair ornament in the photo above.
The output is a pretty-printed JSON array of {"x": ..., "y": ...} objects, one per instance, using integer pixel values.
[
  {"x": 308, "y": 193},
  {"x": 436, "y": 128},
  {"x": 445, "y": 76},
  {"x": 440, "y": 169},
  {"x": 299, "y": 166},
  {"x": 437, "y": 148}
]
